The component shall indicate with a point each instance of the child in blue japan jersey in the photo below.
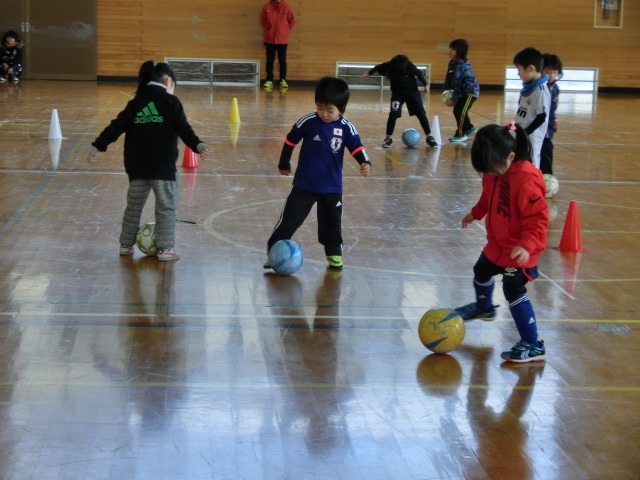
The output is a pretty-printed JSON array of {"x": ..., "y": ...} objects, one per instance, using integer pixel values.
[
  {"x": 325, "y": 134},
  {"x": 534, "y": 101}
]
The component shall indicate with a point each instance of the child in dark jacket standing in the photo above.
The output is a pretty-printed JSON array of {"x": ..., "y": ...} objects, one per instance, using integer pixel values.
[
  {"x": 402, "y": 75},
  {"x": 551, "y": 67},
  {"x": 325, "y": 134},
  {"x": 516, "y": 220},
  {"x": 152, "y": 122},
  {"x": 463, "y": 86}
]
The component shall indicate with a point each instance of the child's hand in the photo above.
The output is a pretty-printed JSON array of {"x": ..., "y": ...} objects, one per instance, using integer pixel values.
[
  {"x": 467, "y": 220},
  {"x": 365, "y": 169},
  {"x": 203, "y": 150},
  {"x": 450, "y": 103},
  {"x": 520, "y": 255},
  {"x": 284, "y": 172},
  {"x": 91, "y": 158},
  {"x": 364, "y": 77}
]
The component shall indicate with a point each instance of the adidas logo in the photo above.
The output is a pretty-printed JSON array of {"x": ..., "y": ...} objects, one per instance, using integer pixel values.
[
  {"x": 148, "y": 114},
  {"x": 316, "y": 138}
]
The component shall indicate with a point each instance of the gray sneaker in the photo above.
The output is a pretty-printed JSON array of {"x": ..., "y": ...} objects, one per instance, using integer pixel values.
[{"x": 167, "y": 254}]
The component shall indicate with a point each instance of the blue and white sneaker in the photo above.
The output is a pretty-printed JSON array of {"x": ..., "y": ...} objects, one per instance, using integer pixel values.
[
  {"x": 471, "y": 311},
  {"x": 523, "y": 352},
  {"x": 455, "y": 139},
  {"x": 470, "y": 132}
]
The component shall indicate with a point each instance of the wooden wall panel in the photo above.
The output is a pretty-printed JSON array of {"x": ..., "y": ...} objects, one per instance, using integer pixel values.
[{"x": 130, "y": 32}]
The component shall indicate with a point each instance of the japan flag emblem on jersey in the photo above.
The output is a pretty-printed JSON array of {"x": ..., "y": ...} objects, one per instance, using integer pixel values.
[
  {"x": 336, "y": 143},
  {"x": 337, "y": 132}
]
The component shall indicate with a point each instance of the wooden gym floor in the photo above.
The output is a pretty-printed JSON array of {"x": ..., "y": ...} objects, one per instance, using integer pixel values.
[{"x": 128, "y": 368}]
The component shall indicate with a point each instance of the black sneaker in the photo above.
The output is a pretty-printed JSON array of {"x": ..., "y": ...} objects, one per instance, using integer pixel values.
[
  {"x": 431, "y": 141},
  {"x": 523, "y": 352},
  {"x": 471, "y": 311},
  {"x": 387, "y": 142}
]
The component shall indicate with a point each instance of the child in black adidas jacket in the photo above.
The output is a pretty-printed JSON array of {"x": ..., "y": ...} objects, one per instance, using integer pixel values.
[{"x": 152, "y": 123}]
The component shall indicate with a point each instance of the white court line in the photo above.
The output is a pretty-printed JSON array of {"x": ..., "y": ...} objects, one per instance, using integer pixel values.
[{"x": 553, "y": 282}]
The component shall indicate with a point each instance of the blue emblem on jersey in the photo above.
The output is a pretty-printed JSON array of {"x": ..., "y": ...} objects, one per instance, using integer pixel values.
[{"x": 336, "y": 143}]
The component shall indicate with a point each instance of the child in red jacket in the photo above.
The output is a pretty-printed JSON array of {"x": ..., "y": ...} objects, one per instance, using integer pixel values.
[
  {"x": 277, "y": 19},
  {"x": 516, "y": 218}
]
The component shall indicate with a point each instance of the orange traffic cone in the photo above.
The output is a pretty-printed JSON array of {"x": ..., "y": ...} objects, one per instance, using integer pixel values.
[
  {"x": 570, "y": 269},
  {"x": 190, "y": 159},
  {"x": 571, "y": 240}
]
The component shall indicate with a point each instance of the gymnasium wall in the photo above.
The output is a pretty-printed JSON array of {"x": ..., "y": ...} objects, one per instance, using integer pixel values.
[{"x": 130, "y": 32}]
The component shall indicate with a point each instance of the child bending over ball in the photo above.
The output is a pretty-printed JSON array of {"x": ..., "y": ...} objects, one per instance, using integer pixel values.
[
  {"x": 402, "y": 75},
  {"x": 325, "y": 134},
  {"x": 516, "y": 219},
  {"x": 152, "y": 122}
]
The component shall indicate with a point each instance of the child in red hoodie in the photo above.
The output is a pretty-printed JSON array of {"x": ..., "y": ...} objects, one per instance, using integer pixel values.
[
  {"x": 277, "y": 19},
  {"x": 516, "y": 218}
]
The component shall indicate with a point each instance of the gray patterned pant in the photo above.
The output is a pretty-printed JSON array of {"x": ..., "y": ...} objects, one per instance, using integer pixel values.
[{"x": 166, "y": 194}]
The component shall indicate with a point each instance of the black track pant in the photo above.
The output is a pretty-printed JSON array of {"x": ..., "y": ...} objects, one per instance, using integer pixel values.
[{"x": 297, "y": 208}]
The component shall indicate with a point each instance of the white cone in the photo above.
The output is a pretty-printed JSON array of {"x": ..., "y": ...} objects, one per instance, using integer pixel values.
[
  {"x": 54, "y": 151},
  {"x": 54, "y": 129},
  {"x": 435, "y": 130},
  {"x": 432, "y": 161}
]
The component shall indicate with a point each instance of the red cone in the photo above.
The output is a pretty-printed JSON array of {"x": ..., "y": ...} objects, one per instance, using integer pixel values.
[
  {"x": 571, "y": 240},
  {"x": 190, "y": 159}
]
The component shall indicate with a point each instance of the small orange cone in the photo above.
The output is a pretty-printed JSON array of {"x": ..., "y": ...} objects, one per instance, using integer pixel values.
[
  {"x": 570, "y": 269},
  {"x": 190, "y": 159},
  {"x": 571, "y": 240}
]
